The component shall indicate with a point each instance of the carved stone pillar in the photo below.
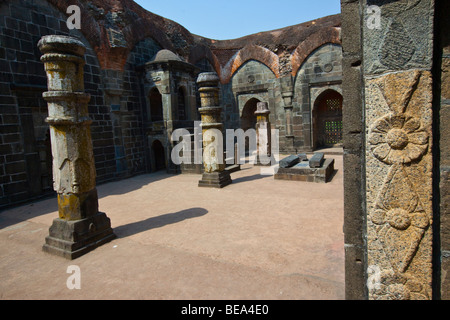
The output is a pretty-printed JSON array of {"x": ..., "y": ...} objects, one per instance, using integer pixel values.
[
  {"x": 399, "y": 159},
  {"x": 263, "y": 134},
  {"x": 214, "y": 174},
  {"x": 80, "y": 226}
]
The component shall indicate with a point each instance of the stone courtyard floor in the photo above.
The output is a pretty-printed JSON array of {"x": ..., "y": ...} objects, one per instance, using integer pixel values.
[{"x": 258, "y": 238}]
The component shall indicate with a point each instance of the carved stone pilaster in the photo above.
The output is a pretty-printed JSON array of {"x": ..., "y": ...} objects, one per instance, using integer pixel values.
[
  {"x": 399, "y": 185},
  {"x": 80, "y": 226},
  {"x": 287, "y": 92}
]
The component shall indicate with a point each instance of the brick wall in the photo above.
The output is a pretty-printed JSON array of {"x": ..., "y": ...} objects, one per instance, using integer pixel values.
[
  {"x": 134, "y": 99},
  {"x": 24, "y": 159}
]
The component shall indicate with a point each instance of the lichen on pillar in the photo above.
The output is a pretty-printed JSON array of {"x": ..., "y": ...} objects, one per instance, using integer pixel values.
[{"x": 80, "y": 227}]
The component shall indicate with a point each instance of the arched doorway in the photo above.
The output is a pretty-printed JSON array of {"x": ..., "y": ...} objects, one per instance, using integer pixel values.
[
  {"x": 248, "y": 118},
  {"x": 327, "y": 119},
  {"x": 158, "y": 155},
  {"x": 156, "y": 107}
]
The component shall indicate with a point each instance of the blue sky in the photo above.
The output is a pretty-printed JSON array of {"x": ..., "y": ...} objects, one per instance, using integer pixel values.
[{"x": 230, "y": 19}]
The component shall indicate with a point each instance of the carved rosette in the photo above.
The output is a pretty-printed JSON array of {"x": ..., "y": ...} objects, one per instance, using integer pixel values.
[
  {"x": 398, "y": 138},
  {"x": 399, "y": 185}
]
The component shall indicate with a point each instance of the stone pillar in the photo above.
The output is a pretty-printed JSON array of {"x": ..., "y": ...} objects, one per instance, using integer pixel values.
[
  {"x": 80, "y": 226},
  {"x": 263, "y": 134},
  {"x": 393, "y": 239},
  {"x": 353, "y": 136},
  {"x": 214, "y": 174}
]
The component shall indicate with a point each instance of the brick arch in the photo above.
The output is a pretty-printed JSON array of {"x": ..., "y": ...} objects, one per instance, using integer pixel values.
[
  {"x": 199, "y": 52},
  {"x": 96, "y": 34},
  {"x": 89, "y": 26},
  {"x": 251, "y": 52},
  {"x": 314, "y": 41},
  {"x": 139, "y": 30}
]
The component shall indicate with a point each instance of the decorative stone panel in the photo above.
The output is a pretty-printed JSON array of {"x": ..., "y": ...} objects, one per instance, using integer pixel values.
[{"x": 399, "y": 185}]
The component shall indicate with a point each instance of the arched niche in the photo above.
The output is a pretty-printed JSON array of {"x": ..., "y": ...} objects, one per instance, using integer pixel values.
[{"x": 327, "y": 119}]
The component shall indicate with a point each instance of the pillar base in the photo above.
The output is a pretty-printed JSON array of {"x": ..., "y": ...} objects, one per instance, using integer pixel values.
[
  {"x": 215, "y": 179},
  {"x": 73, "y": 238}
]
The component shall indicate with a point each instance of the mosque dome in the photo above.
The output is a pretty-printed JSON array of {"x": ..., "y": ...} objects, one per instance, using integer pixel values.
[{"x": 166, "y": 55}]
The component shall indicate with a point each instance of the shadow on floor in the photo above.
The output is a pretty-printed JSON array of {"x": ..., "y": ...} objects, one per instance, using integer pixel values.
[
  {"x": 48, "y": 203},
  {"x": 249, "y": 178},
  {"x": 158, "y": 222},
  {"x": 130, "y": 184}
]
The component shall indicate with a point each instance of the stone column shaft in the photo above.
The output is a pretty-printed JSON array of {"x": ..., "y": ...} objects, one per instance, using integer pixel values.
[
  {"x": 263, "y": 134},
  {"x": 214, "y": 174},
  {"x": 80, "y": 227}
]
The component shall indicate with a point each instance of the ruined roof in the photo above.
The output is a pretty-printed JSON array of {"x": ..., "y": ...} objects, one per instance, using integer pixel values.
[{"x": 114, "y": 27}]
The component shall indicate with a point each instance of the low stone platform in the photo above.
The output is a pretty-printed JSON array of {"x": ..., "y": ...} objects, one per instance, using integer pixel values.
[{"x": 302, "y": 171}]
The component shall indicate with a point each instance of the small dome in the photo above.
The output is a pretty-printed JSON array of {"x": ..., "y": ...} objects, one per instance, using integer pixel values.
[{"x": 166, "y": 55}]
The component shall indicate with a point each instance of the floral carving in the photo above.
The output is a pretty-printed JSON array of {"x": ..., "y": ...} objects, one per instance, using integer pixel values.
[
  {"x": 399, "y": 217},
  {"x": 398, "y": 139},
  {"x": 399, "y": 212},
  {"x": 395, "y": 286}
]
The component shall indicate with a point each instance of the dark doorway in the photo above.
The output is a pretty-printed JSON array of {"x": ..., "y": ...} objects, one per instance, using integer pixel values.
[
  {"x": 158, "y": 155},
  {"x": 248, "y": 118},
  {"x": 156, "y": 107},
  {"x": 327, "y": 119}
]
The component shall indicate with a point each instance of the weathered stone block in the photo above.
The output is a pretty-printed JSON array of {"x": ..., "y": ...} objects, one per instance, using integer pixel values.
[
  {"x": 217, "y": 179},
  {"x": 316, "y": 160},
  {"x": 289, "y": 161},
  {"x": 71, "y": 239}
]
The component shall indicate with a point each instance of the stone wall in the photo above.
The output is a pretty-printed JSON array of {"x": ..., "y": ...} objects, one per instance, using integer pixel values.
[
  {"x": 24, "y": 159},
  {"x": 321, "y": 70},
  {"x": 133, "y": 99},
  {"x": 252, "y": 80}
]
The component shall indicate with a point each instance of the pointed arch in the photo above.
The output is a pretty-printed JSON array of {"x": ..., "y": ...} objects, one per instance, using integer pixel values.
[
  {"x": 251, "y": 52},
  {"x": 314, "y": 41}
]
